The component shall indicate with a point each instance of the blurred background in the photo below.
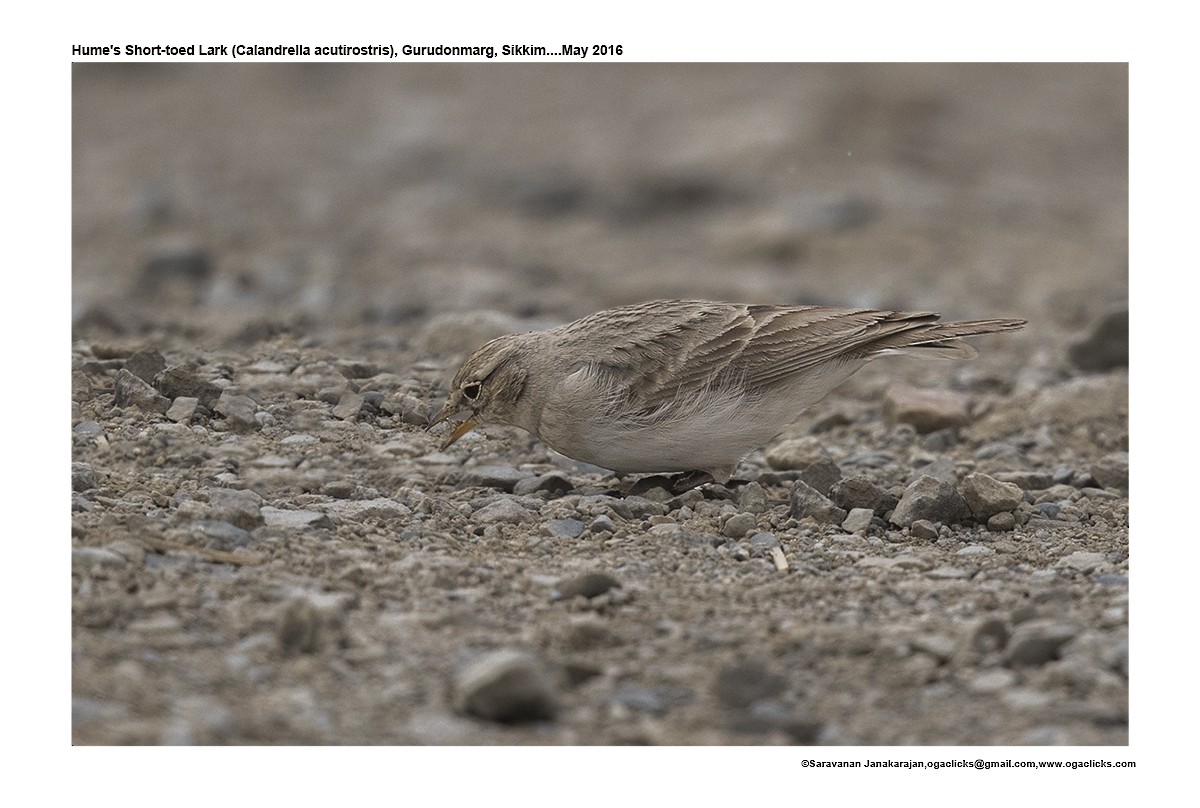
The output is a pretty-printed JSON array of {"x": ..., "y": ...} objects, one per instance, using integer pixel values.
[{"x": 227, "y": 204}]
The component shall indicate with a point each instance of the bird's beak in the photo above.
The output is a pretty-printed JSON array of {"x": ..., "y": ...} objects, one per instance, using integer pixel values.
[{"x": 459, "y": 430}]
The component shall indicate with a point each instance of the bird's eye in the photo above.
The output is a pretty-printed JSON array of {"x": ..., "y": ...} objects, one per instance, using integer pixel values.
[{"x": 471, "y": 390}]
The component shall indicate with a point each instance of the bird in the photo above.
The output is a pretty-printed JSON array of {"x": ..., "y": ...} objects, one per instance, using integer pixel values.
[{"x": 684, "y": 385}]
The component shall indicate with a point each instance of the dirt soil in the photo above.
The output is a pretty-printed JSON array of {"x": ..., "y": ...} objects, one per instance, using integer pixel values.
[{"x": 277, "y": 268}]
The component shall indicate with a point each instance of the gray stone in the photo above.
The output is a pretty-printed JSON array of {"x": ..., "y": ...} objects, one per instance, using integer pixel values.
[
  {"x": 182, "y": 409},
  {"x": 1037, "y": 641},
  {"x": 349, "y": 405},
  {"x": 976, "y": 550},
  {"x": 859, "y": 519},
  {"x": 806, "y": 501},
  {"x": 655, "y": 700},
  {"x": 240, "y": 508},
  {"x": 313, "y": 622},
  {"x": 277, "y": 517},
  {"x": 506, "y": 686},
  {"x": 752, "y": 498},
  {"x": 503, "y": 510},
  {"x": 603, "y": 524},
  {"x": 553, "y": 484},
  {"x": 925, "y": 410},
  {"x": 183, "y": 380},
  {"x": 743, "y": 684},
  {"x": 738, "y": 525},
  {"x": 861, "y": 492},
  {"x": 1106, "y": 347},
  {"x": 565, "y": 528},
  {"x": 761, "y": 542},
  {"x": 238, "y": 411},
  {"x": 941, "y": 468},
  {"x": 130, "y": 391},
  {"x": 408, "y": 407},
  {"x": 588, "y": 585},
  {"x": 1025, "y": 480},
  {"x": 357, "y": 510},
  {"x": 987, "y": 496},
  {"x": 146, "y": 364},
  {"x": 923, "y": 529},
  {"x": 771, "y": 716},
  {"x": 1083, "y": 562},
  {"x": 95, "y": 559},
  {"x": 1002, "y": 522},
  {"x": 218, "y": 535},
  {"x": 1112, "y": 471},
  {"x": 795, "y": 453},
  {"x": 932, "y": 500},
  {"x": 988, "y": 635},
  {"x": 821, "y": 475},
  {"x": 81, "y": 386},
  {"x": 504, "y": 478},
  {"x": 83, "y": 477}
]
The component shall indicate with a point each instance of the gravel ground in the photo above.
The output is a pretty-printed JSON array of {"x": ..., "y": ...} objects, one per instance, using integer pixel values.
[{"x": 277, "y": 268}]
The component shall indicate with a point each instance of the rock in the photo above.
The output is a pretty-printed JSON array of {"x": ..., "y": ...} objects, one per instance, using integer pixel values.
[
  {"x": 988, "y": 635},
  {"x": 506, "y": 686},
  {"x": 861, "y": 492},
  {"x": 987, "y": 496},
  {"x": 191, "y": 265},
  {"x": 312, "y": 622},
  {"x": 991, "y": 681},
  {"x": 182, "y": 409},
  {"x": 1084, "y": 562},
  {"x": 295, "y": 520},
  {"x": 129, "y": 390},
  {"x": 821, "y": 475},
  {"x": 1037, "y": 641},
  {"x": 603, "y": 524},
  {"x": 218, "y": 534},
  {"x": 738, "y": 525},
  {"x": 925, "y": 410},
  {"x": 771, "y": 716},
  {"x": 81, "y": 387},
  {"x": 795, "y": 453},
  {"x": 588, "y": 585},
  {"x": 565, "y": 528},
  {"x": 95, "y": 559},
  {"x": 940, "y": 469},
  {"x": 504, "y": 478},
  {"x": 1002, "y": 522},
  {"x": 858, "y": 520},
  {"x": 923, "y": 529},
  {"x": 1025, "y": 480},
  {"x": 932, "y": 500},
  {"x": 976, "y": 550},
  {"x": 806, "y": 501},
  {"x": 146, "y": 364},
  {"x": 554, "y": 484},
  {"x": 1106, "y": 347},
  {"x": 586, "y": 632},
  {"x": 83, "y": 477},
  {"x": 183, "y": 380},
  {"x": 752, "y": 498},
  {"x": 238, "y": 411},
  {"x": 763, "y": 542},
  {"x": 655, "y": 700},
  {"x": 349, "y": 405},
  {"x": 1112, "y": 471},
  {"x": 939, "y": 646},
  {"x": 409, "y": 408},
  {"x": 503, "y": 510},
  {"x": 358, "y": 510},
  {"x": 240, "y": 508},
  {"x": 743, "y": 684}
]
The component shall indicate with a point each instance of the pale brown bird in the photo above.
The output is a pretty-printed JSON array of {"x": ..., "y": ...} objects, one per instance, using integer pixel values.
[{"x": 684, "y": 385}]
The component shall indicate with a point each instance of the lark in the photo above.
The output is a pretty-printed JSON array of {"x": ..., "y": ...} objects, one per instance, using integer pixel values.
[{"x": 684, "y": 385}]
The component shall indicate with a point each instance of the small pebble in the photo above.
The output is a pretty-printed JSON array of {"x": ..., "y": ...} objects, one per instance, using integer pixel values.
[{"x": 506, "y": 686}]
